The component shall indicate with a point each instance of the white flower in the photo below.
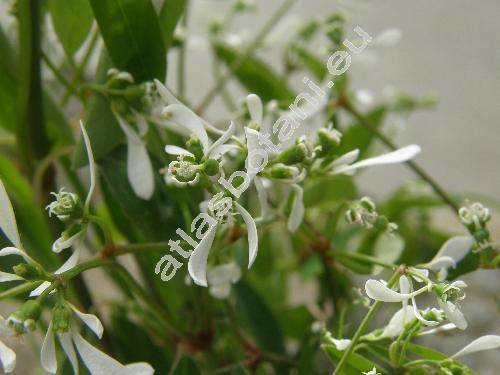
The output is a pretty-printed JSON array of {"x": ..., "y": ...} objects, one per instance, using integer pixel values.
[
  {"x": 97, "y": 362},
  {"x": 197, "y": 264},
  {"x": 7, "y": 355},
  {"x": 220, "y": 279},
  {"x": 452, "y": 252},
  {"x": 139, "y": 167},
  {"x": 346, "y": 164},
  {"x": 186, "y": 169},
  {"x": 372, "y": 372},
  {"x": 487, "y": 342},
  {"x": 64, "y": 204},
  {"x": 340, "y": 344}
]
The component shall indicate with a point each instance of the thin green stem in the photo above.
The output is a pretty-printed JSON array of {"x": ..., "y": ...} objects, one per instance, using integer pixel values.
[
  {"x": 20, "y": 289},
  {"x": 181, "y": 63},
  {"x": 257, "y": 41},
  {"x": 413, "y": 165},
  {"x": 60, "y": 77},
  {"x": 364, "y": 324},
  {"x": 363, "y": 258}
]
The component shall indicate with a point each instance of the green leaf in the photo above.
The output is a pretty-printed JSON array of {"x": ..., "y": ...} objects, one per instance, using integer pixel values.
[
  {"x": 8, "y": 85},
  {"x": 31, "y": 133},
  {"x": 170, "y": 15},
  {"x": 355, "y": 364},
  {"x": 35, "y": 233},
  {"x": 255, "y": 75},
  {"x": 425, "y": 352},
  {"x": 133, "y": 37},
  {"x": 309, "y": 61},
  {"x": 186, "y": 366},
  {"x": 103, "y": 129},
  {"x": 72, "y": 21},
  {"x": 133, "y": 344},
  {"x": 357, "y": 136},
  {"x": 261, "y": 320},
  {"x": 388, "y": 248},
  {"x": 329, "y": 190}
]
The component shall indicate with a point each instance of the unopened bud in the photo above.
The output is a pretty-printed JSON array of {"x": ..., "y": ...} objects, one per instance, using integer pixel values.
[
  {"x": 211, "y": 167},
  {"x": 328, "y": 141},
  {"x": 294, "y": 154},
  {"x": 29, "y": 271},
  {"x": 195, "y": 146},
  {"x": 282, "y": 171},
  {"x": 61, "y": 316}
]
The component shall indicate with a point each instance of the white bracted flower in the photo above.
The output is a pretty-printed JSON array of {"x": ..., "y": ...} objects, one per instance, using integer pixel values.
[
  {"x": 447, "y": 300},
  {"x": 139, "y": 167},
  {"x": 372, "y": 372},
  {"x": 448, "y": 256},
  {"x": 186, "y": 169},
  {"x": 7, "y": 355},
  {"x": 221, "y": 277},
  {"x": 71, "y": 237},
  {"x": 197, "y": 265},
  {"x": 487, "y": 342},
  {"x": 72, "y": 342},
  {"x": 346, "y": 164}
]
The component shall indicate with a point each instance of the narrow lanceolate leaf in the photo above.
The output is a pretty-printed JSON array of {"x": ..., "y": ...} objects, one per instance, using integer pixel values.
[
  {"x": 8, "y": 85},
  {"x": 8, "y": 223},
  {"x": 169, "y": 17},
  {"x": 133, "y": 37},
  {"x": 31, "y": 134},
  {"x": 72, "y": 21},
  {"x": 255, "y": 75}
]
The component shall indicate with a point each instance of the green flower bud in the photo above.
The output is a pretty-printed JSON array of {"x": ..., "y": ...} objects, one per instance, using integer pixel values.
[
  {"x": 328, "y": 141},
  {"x": 381, "y": 223},
  {"x": 211, "y": 167},
  {"x": 61, "y": 316},
  {"x": 293, "y": 155},
  {"x": 29, "y": 271},
  {"x": 282, "y": 171},
  {"x": 25, "y": 318},
  {"x": 481, "y": 235},
  {"x": 368, "y": 203},
  {"x": 253, "y": 125},
  {"x": 195, "y": 147}
]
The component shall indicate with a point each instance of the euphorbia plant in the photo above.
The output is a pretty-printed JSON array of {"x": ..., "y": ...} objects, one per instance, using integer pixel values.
[{"x": 217, "y": 218}]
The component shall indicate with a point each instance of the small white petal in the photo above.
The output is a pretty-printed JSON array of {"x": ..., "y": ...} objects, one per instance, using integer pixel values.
[
  {"x": 255, "y": 108},
  {"x": 176, "y": 150},
  {"x": 443, "y": 328},
  {"x": 221, "y": 150},
  {"x": 398, "y": 156},
  {"x": 67, "y": 345},
  {"x": 223, "y": 274},
  {"x": 380, "y": 292},
  {"x": 222, "y": 139},
  {"x": 197, "y": 264},
  {"x": 454, "y": 314},
  {"x": 8, "y": 223},
  {"x": 36, "y": 292},
  {"x": 253, "y": 240},
  {"x": 139, "y": 168},
  {"x": 421, "y": 271},
  {"x": 5, "y": 277},
  {"x": 70, "y": 263},
  {"x": 397, "y": 322},
  {"x": 15, "y": 251},
  {"x": 298, "y": 209},
  {"x": 347, "y": 158},
  {"x": 262, "y": 196},
  {"x": 487, "y": 342},
  {"x": 61, "y": 243},
  {"x": 455, "y": 248},
  {"x": 7, "y": 358},
  {"x": 182, "y": 115},
  {"x": 90, "y": 321},
  {"x": 252, "y": 137},
  {"x": 99, "y": 363},
  {"x": 404, "y": 287},
  {"x": 340, "y": 344},
  {"x": 165, "y": 93},
  {"x": 90, "y": 156},
  {"x": 48, "y": 353},
  {"x": 221, "y": 291},
  {"x": 420, "y": 317}
]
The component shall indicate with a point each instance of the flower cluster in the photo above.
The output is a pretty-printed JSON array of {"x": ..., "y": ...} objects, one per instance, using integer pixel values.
[{"x": 364, "y": 213}]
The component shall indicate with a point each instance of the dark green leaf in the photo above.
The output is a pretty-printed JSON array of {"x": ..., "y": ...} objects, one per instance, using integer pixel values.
[
  {"x": 133, "y": 37},
  {"x": 261, "y": 320},
  {"x": 72, "y": 21},
  {"x": 8, "y": 85},
  {"x": 356, "y": 364},
  {"x": 329, "y": 190},
  {"x": 309, "y": 61},
  {"x": 35, "y": 233},
  {"x": 425, "y": 352},
  {"x": 256, "y": 75},
  {"x": 169, "y": 17}
]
